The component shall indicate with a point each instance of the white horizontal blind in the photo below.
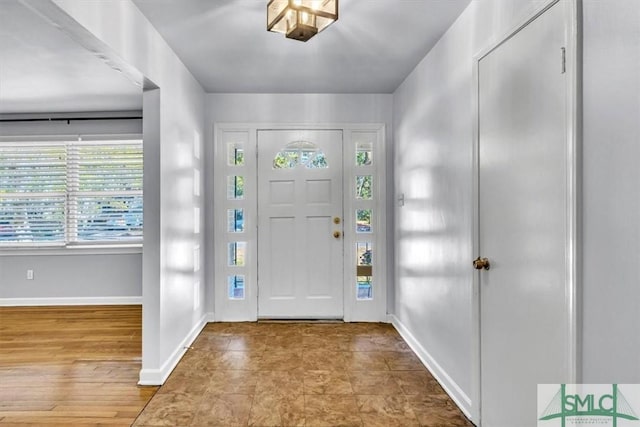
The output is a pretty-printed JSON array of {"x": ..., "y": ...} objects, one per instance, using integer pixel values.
[
  {"x": 105, "y": 191},
  {"x": 32, "y": 194},
  {"x": 71, "y": 193}
]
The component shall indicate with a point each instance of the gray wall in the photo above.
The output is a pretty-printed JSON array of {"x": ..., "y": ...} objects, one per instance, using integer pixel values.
[
  {"x": 70, "y": 275},
  {"x": 611, "y": 195},
  {"x": 95, "y": 278}
]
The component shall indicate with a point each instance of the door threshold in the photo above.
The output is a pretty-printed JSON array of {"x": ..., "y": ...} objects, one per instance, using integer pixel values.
[{"x": 267, "y": 320}]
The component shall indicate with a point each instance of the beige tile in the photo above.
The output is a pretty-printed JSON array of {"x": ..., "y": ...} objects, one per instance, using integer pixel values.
[
  {"x": 374, "y": 382},
  {"x": 282, "y": 374},
  {"x": 232, "y": 382},
  {"x": 268, "y": 410},
  {"x": 388, "y": 342},
  {"x": 437, "y": 410},
  {"x": 181, "y": 382},
  {"x": 223, "y": 410},
  {"x": 280, "y": 383},
  {"x": 386, "y": 411},
  {"x": 402, "y": 361},
  {"x": 326, "y": 329},
  {"x": 327, "y": 342},
  {"x": 331, "y": 411},
  {"x": 169, "y": 409},
  {"x": 362, "y": 343},
  {"x": 376, "y": 328},
  {"x": 197, "y": 363},
  {"x": 253, "y": 343},
  {"x": 327, "y": 382},
  {"x": 281, "y": 360},
  {"x": 283, "y": 342},
  {"x": 209, "y": 341},
  {"x": 283, "y": 329},
  {"x": 417, "y": 382},
  {"x": 237, "y": 360},
  {"x": 235, "y": 328},
  {"x": 323, "y": 360},
  {"x": 365, "y": 361}
]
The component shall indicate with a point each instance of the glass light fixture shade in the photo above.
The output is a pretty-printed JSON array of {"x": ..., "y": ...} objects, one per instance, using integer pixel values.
[
  {"x": 301, "y": 19},
  {"x": 277, "y": 11}
]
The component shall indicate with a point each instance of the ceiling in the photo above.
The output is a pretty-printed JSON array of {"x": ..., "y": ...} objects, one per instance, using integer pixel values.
[
  {"x": 42, "y": 70},
  {"x": 371, "y": 49}
]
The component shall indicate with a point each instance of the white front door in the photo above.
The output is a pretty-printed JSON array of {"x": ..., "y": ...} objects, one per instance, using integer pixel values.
[
  {"x": 523, "y": 220},
  {"x": 300, "y": 217}
]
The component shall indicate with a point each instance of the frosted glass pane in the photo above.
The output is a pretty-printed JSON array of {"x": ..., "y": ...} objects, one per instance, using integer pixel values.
[
  {"x": 364, "y": 153},
  {"x": 364, "y": 270},
  {"x": 363, "y": 221},
  {"x": 235, "y": 187},
  {"x": 235, "y": 154},
  {"x": 237, "y": 252},
  {"x": 364, "y": 185},
  {"x": 235, "y": 286},
  {"x": 235, "y": 220},
  {"x": 364, "y": 288}
]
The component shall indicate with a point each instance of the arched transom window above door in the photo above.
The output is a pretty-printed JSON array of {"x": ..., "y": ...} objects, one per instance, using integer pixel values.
[{"x": 300, "y": 153}]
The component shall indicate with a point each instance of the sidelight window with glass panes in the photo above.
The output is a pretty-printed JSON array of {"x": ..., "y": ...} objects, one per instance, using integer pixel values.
[
  {"x": 364, "y": 201},
  {"x": 236, "y": 246}
]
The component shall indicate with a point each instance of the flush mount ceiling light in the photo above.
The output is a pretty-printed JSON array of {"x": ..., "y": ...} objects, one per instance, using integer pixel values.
[{"x": 301, "y": 19}]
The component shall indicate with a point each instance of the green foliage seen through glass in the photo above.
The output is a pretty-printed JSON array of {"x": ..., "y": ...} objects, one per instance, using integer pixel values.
[{"x": 364, "y": 187}]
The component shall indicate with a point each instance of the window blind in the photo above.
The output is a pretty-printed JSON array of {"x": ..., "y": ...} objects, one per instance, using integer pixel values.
[
  {"x": 33, "y": 194},
  {"x": 71, "y": 193}
]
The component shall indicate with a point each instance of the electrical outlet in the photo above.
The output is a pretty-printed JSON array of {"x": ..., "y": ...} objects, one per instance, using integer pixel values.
[{"x": 29, "y": 274}]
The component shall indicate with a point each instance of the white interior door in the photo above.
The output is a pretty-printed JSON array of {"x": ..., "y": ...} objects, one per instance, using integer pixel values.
[
  {"x": 300, "y": 244},
  {"x": 523, "y": 220}
]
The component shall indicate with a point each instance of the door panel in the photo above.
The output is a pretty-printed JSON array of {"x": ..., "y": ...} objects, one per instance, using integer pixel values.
[
  {"x": 523, "y": 217},
  {"x": 282, "y": 252},
  {"x": 300, "y": 262}
]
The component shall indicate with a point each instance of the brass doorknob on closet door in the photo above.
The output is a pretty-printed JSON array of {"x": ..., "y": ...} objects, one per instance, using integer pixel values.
[
  {"x": 481, "y": 263},
  {"x": 336, "y": 234}
]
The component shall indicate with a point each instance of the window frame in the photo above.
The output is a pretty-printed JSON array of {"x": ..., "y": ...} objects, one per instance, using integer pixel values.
[{"x": 69, "y": 246}]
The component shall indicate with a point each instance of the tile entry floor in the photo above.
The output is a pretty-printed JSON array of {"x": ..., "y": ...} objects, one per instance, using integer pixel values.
[{"x": 300, "y": 374}]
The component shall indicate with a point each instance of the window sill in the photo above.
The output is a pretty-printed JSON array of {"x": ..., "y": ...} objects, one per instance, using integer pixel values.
[{"x": 72, "y": 250}]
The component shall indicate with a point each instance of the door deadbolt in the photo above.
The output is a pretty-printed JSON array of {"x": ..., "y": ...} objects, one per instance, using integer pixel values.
[
  {"x": 481, "y": 263},
  {"x": 336, "y": 220}
]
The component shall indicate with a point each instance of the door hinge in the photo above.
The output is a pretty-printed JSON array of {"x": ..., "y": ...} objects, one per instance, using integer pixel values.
[{"x": 564, "y": 60}]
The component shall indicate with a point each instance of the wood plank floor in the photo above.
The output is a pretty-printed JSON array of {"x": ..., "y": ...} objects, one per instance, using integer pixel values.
[{"x": 71, "y": 366}]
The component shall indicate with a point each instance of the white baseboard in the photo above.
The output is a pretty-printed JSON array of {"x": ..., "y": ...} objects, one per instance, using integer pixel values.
[
  {"x": 448, "y": 384},
  {"x": 210, "y": 317},
  {"x": 159, "y": 376},
  {"x": 28, "y": 302}
]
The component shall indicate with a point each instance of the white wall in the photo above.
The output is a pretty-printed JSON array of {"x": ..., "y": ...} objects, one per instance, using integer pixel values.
[
  {"x": 611, "y": 198},
  {"x": 433, "y": 168},
  {"x": 172, "y": 291},
  {"x": 66, "y": 275},
  {"x": 433, "y": 137},
  {"x": 298, "y": 109}
]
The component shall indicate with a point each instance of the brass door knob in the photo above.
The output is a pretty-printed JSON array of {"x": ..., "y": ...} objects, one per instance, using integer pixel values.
[
  {"x": 481, "y": 263},
  {"x": 336, "y": 234}
]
